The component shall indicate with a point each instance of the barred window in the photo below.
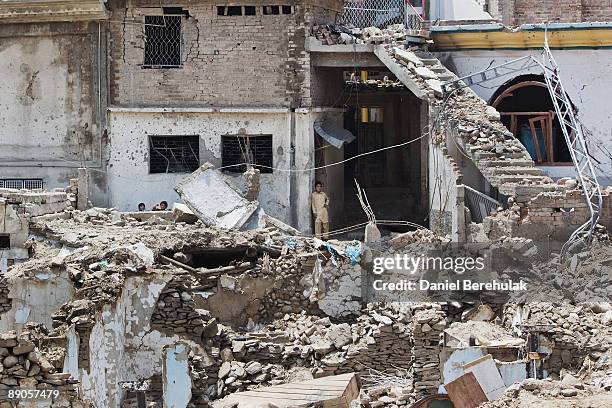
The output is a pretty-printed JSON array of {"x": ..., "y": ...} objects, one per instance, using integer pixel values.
[
  {"x": 174, "y": 154},
  {"x": 19, "y": 184},
  {"x": 162, "y": 42},
  {"x": 238, "y": 150}
]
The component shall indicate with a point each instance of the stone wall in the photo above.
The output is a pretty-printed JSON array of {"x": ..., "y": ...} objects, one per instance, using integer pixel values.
[{"x": 251, "y": 60}]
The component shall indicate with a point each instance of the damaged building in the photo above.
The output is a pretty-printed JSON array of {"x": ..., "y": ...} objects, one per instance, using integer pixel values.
[{"x": 440, "y": 130}]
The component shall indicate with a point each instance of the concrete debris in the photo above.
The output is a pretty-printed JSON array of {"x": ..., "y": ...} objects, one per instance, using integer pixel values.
[
  {"x": 462, "y": 334},
  {"x": 266, "y": 307},
  {"x": 543, "y": 393},
  {"x": 331, "y": 34},
  {"x": 214, "y": 199}
]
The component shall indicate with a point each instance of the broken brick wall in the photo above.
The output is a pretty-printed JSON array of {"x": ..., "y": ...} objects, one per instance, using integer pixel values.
[
  {"x": 518, "y": 12},
  {"x": 559, "y": 214},
  {"x": 226, "y": 60}
]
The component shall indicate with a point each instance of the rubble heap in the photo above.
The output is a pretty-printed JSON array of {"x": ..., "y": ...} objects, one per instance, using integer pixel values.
[
  {"x": 331, "y": 34},
  {"x": 25, "y": 365},
  {"x": 576, "y": 331}
]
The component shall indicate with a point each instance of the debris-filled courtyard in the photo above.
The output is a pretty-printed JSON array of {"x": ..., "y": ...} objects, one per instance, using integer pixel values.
[{"x": 340, "y": 204}]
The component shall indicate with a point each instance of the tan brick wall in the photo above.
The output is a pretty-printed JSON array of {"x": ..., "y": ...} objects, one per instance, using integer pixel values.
[
  {"x": 539, "y": 11},
  {"x": 554, "y": 209},
  {"x": 251, "y": 61}
]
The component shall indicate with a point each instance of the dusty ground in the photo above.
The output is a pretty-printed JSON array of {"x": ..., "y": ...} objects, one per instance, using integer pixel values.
[{"x": 528, "y": 400}]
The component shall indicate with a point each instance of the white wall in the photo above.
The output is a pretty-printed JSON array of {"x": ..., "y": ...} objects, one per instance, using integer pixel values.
[
  {"x": 585, "y": 76},
  {"x": 457, "y": 10},
  {"x": 128, "y": 169}
]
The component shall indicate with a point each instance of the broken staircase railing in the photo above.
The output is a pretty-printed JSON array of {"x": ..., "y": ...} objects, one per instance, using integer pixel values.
[
  {"x": 571, "y": 127},
  {"x": 479, "y": 204}
]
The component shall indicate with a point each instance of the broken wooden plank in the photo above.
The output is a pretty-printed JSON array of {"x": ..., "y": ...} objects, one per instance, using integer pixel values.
[
  {"x": 225, "y": 269},
  {"x": 465, "y": 392},
  {"x": 179, "y": 264},
  {"x": 327, "y": 392}
]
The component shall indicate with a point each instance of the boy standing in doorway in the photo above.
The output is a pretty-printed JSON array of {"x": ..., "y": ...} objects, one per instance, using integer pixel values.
[{"x": 320, "y": 204}]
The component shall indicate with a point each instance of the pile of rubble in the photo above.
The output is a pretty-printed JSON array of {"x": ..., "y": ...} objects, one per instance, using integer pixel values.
[
  {"x": 25, "y": 365},
  {"x": 577, "y": 331},
  {"x": 331, "y": 34},
  {"x": 546, "y": 393}
]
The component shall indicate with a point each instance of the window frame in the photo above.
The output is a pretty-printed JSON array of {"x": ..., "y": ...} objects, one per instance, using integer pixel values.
[
  {"x": 545, "y": 119},
  {"x": 180, "y": 43},
  {"x": 241, "y": 169},
  {"x": 183, "y": 170}
]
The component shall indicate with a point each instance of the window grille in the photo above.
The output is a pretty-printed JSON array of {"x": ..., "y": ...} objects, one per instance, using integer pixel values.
[
  {"x": 174, "y": 154},
  {"x": 21, "y": 184},
  {"x": 236, "y": 151},
  {"x": 378, "y": 13},
  {"x": 162, "y": 42}
]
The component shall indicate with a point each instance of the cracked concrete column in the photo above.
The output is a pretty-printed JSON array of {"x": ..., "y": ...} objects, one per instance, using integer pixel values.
[{"x": 83, "y": 189}]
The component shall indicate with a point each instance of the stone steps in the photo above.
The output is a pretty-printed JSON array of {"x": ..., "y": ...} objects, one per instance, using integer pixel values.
[
  {"x": 496, "y": 171},
  {"x": 508, "y": 163},
  {"x": 515, "y": 169},
  {"x": 517, "y": 178}
]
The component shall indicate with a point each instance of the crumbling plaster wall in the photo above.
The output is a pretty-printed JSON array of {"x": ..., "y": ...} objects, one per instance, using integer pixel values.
[
  {"x": 122, "y": 345},
  {"x": 16, "y": 225},
  {"x": 51, "y": 92},
  {"x": 284, "y": 194},
  {"x": 36, "y": 298},
  {"x": 586, "y": 84},
  {"x": 446, "y": 194}
]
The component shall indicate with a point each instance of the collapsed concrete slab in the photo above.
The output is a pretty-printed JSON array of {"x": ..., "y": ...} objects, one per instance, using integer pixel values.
[{"x": 214, "y": 200}]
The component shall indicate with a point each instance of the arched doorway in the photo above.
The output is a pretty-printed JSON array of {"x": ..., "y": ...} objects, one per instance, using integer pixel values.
[{"x": 527, "y": 111}]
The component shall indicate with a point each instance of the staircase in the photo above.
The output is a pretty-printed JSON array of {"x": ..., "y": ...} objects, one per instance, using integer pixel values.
[{"x": 474, "y": 126}]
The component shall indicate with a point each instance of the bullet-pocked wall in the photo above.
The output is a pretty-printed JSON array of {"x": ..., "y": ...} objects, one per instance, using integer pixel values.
[
  {"x": 131, "y": 179},
  {"x": 52, "y": 99}
]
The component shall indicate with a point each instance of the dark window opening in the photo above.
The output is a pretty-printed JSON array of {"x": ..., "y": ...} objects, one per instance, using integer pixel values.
[
  {"x": 162, "y": 42},
  {"x": 176, "y": 11},
  {"x": 237, "y": 151},
  {"x": 5, "y": 241},
  {"x": 271, "y": 10},
  {"x": 174, "y": 154},
  {"x": 528, "y": 112},
  {"x": 234, "y": 10},
  {"x": 286, "y": 9}
]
